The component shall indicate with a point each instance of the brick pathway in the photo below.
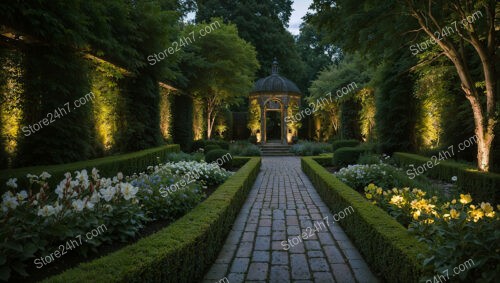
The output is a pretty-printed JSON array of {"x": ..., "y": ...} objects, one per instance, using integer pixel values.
[{"x": 282, "y": 204}]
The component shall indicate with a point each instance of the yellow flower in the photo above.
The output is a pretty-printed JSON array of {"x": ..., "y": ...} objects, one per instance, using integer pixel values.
[
  {"x": 369, "y": 196},
  {"x": 488, "y": 209},
  {"x": 465, "y": 199},
  {"x": 416, "y": 214},
  {"x": 379, "y": 191},
  {"x": 454, "y": 201},
  {"x": 406, "y": 189},
  {"x": 397, "y": 200},
  {"x": 385, "y": 193},
  {"x": 476, "y": 214},
  {"x": 454, "y": 214},
  {"x": 395, "y": 190},
  {"x": 429, "y": 221}
]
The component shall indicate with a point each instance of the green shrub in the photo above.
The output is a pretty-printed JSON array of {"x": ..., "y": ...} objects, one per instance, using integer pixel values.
[
  {"x": 482, "y": 186},
  {"x": 252, "y": 139},
  {"x": 211, "y": 147},
  {"x": 197, "y": 144},
  {"x": 244, "y": 148},
  {"x": 181, "y": 156},
  {"x": 344, "y": 143},
  {"x": 307, "y": 148},
  {"x": 347, "y": 155},
  {"x": 223, "y": 144},
  {"x": 390, "y": 250},
  {"x": 108, "y": 166},
  {"x": 222, "y": 157},
  {"x": 369, "y": 158},
  {"x": 181, "y": 252}
]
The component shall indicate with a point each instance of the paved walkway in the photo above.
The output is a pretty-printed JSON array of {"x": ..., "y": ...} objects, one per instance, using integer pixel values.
[{"x": 281, "y": 205}]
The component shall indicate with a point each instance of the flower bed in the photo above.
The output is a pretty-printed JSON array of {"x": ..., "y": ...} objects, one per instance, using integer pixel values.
[
  {"x": 442, "y": 223},
  {"x": 455, "y": 231},
  {"x": 482, "y": 186},
  {"x": 35, "y": 224},
  {"x": 126, "y": 163},
  {"x": 181, "y": 252},
  {"x": 388, "y": 247}
]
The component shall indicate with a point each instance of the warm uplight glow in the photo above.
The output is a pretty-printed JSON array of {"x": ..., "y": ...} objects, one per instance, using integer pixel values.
[
  {"x": 10, "y": 112},
  {"x": 105, "y": 121}
]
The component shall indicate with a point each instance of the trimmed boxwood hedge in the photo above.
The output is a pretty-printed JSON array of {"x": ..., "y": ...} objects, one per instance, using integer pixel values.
[
  {"x": 386, "y": 245},
  {"x": 181, "y": 252},
  {"x": 324, "y": 160},
  {"x": 211, "y": 147},
  {"x": 482, "y": 186},
  {"x": 347, "y": 155},
  {"x": 108, "y": 166},
  {"x": 344, "y": 143}
]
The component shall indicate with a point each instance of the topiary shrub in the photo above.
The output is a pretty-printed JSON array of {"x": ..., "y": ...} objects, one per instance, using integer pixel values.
[
  {"x": 252, "y": 139},
  {"x": 197, "y": 144},
  {"x": 347, "y": 155},
  {"x": 211, "y": 147},
  {"x": 223, "y": 144},
  {"x": 220, "y": 156},
  {"x": 344, "y": 143}
]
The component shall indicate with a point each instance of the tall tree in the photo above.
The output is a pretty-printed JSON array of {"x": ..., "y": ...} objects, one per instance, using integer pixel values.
[
  {"x": 454, "y": 26},
  {"x": 262, "y": 23},
  {"x": 219, "y": 67}
]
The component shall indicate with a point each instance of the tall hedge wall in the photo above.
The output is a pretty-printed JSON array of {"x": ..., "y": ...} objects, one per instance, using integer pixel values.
[{"x": 182, "y": 127}]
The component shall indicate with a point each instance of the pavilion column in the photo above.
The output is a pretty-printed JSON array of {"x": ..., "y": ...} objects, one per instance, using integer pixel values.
[
  {"x": 262, "y": 122},
  {"x": 284, "y": 139}
]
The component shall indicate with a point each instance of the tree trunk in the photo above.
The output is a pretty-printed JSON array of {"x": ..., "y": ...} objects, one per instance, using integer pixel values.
[{"x": 485, "y": 119}]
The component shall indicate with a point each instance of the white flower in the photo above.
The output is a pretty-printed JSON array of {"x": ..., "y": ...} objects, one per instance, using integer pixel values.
[
  {"x": 128, "y": 191},
  {"x": 95, "y": 174},
  {"x": 9, "y": 201},
  {"x": 67, "y": 175},
  {"x": 119, "y": 176},
  {"x": 12, "y": 183},
  {"x": 78, "y": 205},
  {"x": 108, "y": 193},
  {"x": 45, "y": 175},
  {"x": 46, "y": 211},
  {"x": 83, "y": 178},
  {"x": 95, "y": 198},
  {"x": 22, "y": 195},
  {"x": 454, "y": 178},
  {"x": 90, "y": 205},
  {"x": 31, "y": 177},
  {"x": 106, "y": 182}
]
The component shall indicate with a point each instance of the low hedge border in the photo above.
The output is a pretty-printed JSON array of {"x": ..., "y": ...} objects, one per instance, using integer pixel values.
[
  {"x": 324, "y": 160},
  {"x": 108, "y": 166},
  {"x": 181, "y": 252},
  {"x": 482, "y": 186},
  {"x": 386, "y": 245},
  {"x": 239, "y": 161}
]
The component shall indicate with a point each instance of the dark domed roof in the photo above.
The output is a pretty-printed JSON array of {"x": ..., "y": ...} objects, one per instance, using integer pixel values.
[{"x": 275, "y": 83}]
